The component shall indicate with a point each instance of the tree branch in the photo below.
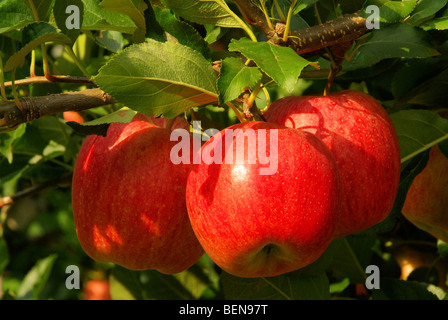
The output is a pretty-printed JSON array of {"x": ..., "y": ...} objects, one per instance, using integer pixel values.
[
  {"x": 42, "y": 79},
  {"x": 63, "y": 180},
  {"x": 334, "y": 33},
  {"x": 345, "y": 29},
  {"x": 36, "y": 107},
  {"x": 253, "y": 15}
]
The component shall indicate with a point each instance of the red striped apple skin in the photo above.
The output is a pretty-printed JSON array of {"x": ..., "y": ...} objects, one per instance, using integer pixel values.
[
  {"x": 254, "y": 225},
  {"x": 129, "y": 199},
  {"x": 359, "y": 132}
]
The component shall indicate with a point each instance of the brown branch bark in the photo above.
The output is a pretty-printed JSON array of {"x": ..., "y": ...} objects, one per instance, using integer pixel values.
[
  {"x": 36, "y": 107},
  {"x": 331, "y": 33},
  {"x": 42, "y": 79},
  {"x": 253, "y": 15},
  {"x": 347, "y": 28}
]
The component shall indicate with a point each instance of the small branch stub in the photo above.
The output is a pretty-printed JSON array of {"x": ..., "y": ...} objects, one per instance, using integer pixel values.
[
  {"x": 36, "y": 107},
  {"x": 345, "y": 29}
]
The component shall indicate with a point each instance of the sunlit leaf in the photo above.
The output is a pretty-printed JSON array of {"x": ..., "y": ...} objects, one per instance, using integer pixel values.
[
  {"x": 156, "y": 78},
  {"x": 34, "y": 35},
  {"x": 214, "y": 12},
  {"x": 282, "y": 64}
]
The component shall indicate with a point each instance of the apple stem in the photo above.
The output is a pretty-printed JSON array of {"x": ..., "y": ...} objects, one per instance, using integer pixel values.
[
  {"x": 170, "y": 123},
  {"x": 279, "y": 11},
  {"x": 236, "y": 111},
  {"x": 331, "y": 77},
  {"x": 250, "y": 109},
  {"x": 268, "y": 100},
  {"x": 288, "y": 21},
  {"x": 33, "y": 64},
  {"x": 265, "y": 12},
  {"x": 14, "y": 92}
]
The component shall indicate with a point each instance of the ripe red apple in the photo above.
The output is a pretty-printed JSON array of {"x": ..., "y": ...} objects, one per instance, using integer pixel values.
[
  {"x": 72, "y": 116},
  {"x": 97, "y": 290},
  {"x": 426, "y": 204},
  {"x": 360, "y": 134},
  {"x": 261, "y": 223},
  {"x": 129, "y": 199}
]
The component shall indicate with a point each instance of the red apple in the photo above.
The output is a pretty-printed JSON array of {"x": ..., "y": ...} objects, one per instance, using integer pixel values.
[
  {"x": 264, "y": 218},
  {"x": 96, "y": 290},
  {"x": 72, "y": 116},
  {"x": 129, "y": 199},
  {"x": 360, "y": 134},
  {"x": 426, "y": 204}
]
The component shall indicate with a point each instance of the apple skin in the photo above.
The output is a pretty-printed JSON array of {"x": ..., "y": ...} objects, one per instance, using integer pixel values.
[
  {"x": 129, "y": 199},
  {"x": 254, "y": 225},
  {"x": 97, "y": 290},
  {"x": 72, "y": 116},
  {"x": 426, "y": 204},
  {"x": 362, "y": 138}
]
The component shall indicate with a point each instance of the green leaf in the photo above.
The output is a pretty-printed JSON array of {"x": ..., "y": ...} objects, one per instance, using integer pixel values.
[
  {"x": 183, "y": 32},
  {"x": 351, "y": 6},
  {"x": 36, "y": 278},
  {"x": 7, "y": 140},
  {"x": 442, "y": 249},
  {"x": 125, "y": 284},
  {"x": 284, "y": 287},
  {"x": 429, "y": 92},
  {"x": 161, "y": 286},
  {"x": 110, "y": 40},
  {"x": 234, "y": 77},
  {"x": 214, "y": 12},
  {"x": 213, "y": 33},
  {"x": 353, "y": 256},
  {"x": 10, "y": 172},
  {"x": 156, "y": 78},
  {"x": 60, "y": 16},
  {"x": 394, "y": 289},
  {"x": 127, "y": 7},
  {"x": 410, "y": 74},
  {"x": 282, "y": 64},
  {"x": 418, "y": 131},
  {"x": 339, "y": 287},
  {"x": 4, "y": 256},
  {"x": 130, "y": 8},
  {"x": 436, "y": 24},
  {"x": 193, "y": 280},
  {"x": 394, "y": 41},
  {"x": 391, "y": 11},
  {"x": 443, "y": 147},
  {"x": 33, "y": 35},
  {"x": 40, "y": 132},
  {"x": 43, "y": 8},
  {"x": 53, "y": 149},
  {"x": 100, "y": 125},
  {"x": 324, "y": 261},
  {"x": 14, "y": 14},
  {"x": 153, "y": 29},
  {"x": 303, "y": 4},
  {"x": 425, "y": 10},
  {"x": 96, "y": 18}
]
